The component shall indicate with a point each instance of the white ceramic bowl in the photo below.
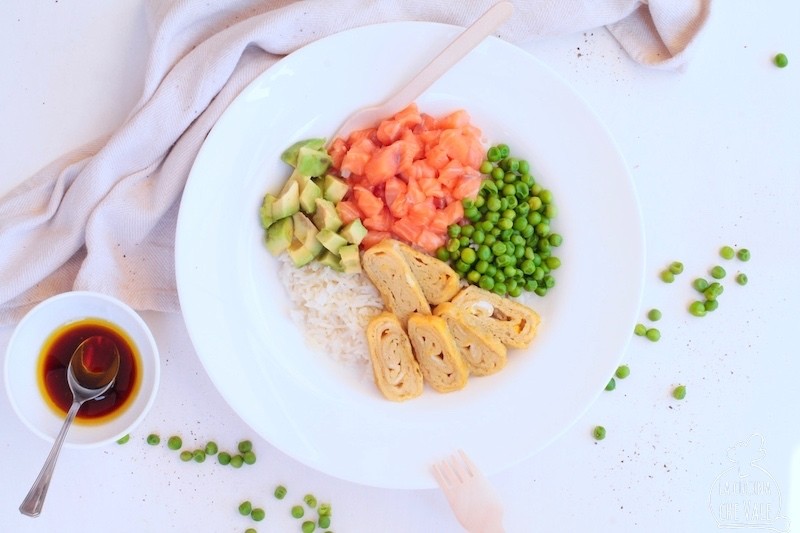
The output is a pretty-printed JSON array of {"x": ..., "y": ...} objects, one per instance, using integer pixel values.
[{"x": 24, "y": 352}]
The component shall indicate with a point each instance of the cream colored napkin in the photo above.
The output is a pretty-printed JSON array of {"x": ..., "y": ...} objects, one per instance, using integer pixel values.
[{"x": 103, "y": 217}]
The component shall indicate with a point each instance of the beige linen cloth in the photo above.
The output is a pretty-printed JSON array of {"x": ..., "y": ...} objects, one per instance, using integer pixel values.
[{"x": 103, "y": 217}]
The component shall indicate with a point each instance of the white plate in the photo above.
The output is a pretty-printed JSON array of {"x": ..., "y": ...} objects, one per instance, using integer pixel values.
[{"x": 322, "y": 414}]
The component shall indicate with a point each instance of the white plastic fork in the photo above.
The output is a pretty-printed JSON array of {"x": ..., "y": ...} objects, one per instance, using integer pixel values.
[{"x": 472, "y": 498}]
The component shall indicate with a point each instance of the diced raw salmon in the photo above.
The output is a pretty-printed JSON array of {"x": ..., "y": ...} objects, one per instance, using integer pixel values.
[
  {"x": 373, "y": 237},
  {"x": 347, "y": 211},
  {"x": 369, "y": 204},
  {"x": 406, "y": 229},
  {"x": 408, "y": 175},
  {"x": 383, "y": 221},
  {"x": 384, "y": 163},
  {"x": 456, "y": 119},
  {"x": 430, "y": 241},
  {"x": 357, "y": 157},
  {"x": 337, "y": 151}
]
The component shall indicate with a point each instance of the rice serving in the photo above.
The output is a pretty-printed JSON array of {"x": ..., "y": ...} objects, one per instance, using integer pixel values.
[{"x": 332, "y": 309}]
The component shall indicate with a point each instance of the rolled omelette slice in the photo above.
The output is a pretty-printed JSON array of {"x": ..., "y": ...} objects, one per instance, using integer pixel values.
[
  {"x": 396, "y": 371},
  {"x": 513, "y": 323},
  {"x": 436, "y": 352},
  {"x": 439, "y": 282},
  {"x": 483, "y": 353},
  {"x": 387, "y": 269}
]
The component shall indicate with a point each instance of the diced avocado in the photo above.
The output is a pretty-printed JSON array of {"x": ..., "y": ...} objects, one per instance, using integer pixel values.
[
  {"x": 288, "y": 203},
  {"x": 294, "y": 177},
  {"x": 304, "y": 229},
  {"x": 333, "y": 188},
  {"x": 265, "y": 212},
  {"x": 350, "y": 258},
  {"x": 303, "y": 253},
  {"x": 312, "y": 162},
  {"x": 308, "y": 197},
  {"x": 331, "y": 259},
  {"x": 326, "y": 216},
  {"x": 289, "y": 156},
  {"x": 279, "y": 236},
  {"x": 331, "y": 240},
  {"x": 354, "y": 231}
]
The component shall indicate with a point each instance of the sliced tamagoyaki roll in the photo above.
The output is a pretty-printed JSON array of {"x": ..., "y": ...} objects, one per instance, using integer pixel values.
[
  {"x": 436, "y": 352},
  {"x": 513, "y": 323},
  {"x": 388, "y": 270},
  {"x": 396, "y": 371},
  {"x": 439, "y": 282},
  {"x": 482, "y": 351}
]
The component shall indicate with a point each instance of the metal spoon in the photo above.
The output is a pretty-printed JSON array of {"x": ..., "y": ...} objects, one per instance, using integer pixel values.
[
  {"x": 92, "y": 370},
  {"x": 471, "y": 37}
]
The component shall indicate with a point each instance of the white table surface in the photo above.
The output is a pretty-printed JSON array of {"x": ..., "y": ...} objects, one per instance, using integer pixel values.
[{"x": 714, "y": 153}]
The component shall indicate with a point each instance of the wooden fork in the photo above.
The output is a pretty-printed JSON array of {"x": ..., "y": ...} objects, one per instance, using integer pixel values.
[{"x": 472, "y": 499}]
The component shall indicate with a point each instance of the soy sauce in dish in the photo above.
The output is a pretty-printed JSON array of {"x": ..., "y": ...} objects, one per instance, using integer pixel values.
[{"x": 54, "y": 359}]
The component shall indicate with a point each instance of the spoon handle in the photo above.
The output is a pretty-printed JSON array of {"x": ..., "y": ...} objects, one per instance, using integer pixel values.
[
  {"x": 452, "y": 54},
  {"x": 32, "y": 504}
]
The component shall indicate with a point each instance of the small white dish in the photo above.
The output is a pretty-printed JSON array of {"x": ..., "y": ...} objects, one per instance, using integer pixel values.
[{"x": 23, "y": 363}]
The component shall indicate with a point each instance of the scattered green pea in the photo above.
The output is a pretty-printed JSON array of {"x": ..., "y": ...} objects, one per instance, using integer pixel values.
[
  {"x": 124, "y": 439},
  {"x": 153, "y": 439},
  {"x": 653, "y": 334},
  {"x": 308, "y": 526},
  {"x": 599, "y": 432},
  {"x": 245, "y": 446},
  {"x": 211, "y": 448},
  {"x": 257, "y": 514},
  {"x": 324, "y": 521},
  {"x": 186, "y": 456},
  {"x": 310, "y": 500},
  {"x": 224, "y": 458},
  {"x": 640, "y": 330},
  {"x": 654, "y": 315},
  {"x": 718, "y": 272},
  {"x": 781, "y": 60},
  {"x": 298, "y": 511},
  {"x": 676, "y": 267},
  {"x": 280, "y": 492},
  {"x": 245, "y": 507},
  {"x": 726, "y": 252},
  {"x": 697, "y": 308},
  {"x": 249, "y": 457},
  {"x": 612, "y": 384},
  {"x": 711, "y": 305},
  {"x": 741, "y": 278},
  {"x": 700, "y": 284},
  {"x": 713, "y": 291},
  {"x": 679, "y": 393},
  {"x": 199, "y": 456},
  {"x": 667, "y": 276},
  {"x": 174, "y": 443},
  {"x": 623, "y": 371},
  {"x": 250, "y": 530},
  {"x": 237, "y": 461},
  {"x": 324, "y": 510},
  {"x": 743, "y": 254}
]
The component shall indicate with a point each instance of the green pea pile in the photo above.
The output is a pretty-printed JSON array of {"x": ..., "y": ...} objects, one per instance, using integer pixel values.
[{"x": 506, "y": 244}]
